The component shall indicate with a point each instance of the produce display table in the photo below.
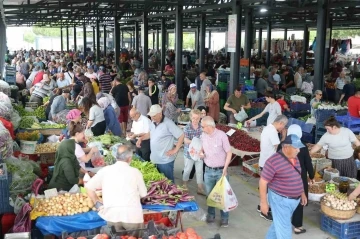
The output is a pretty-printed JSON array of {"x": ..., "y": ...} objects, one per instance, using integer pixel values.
[{"x": 91, "y": 220}]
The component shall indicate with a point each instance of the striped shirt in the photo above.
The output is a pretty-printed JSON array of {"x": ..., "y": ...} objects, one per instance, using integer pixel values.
[
  {"x": 281, "y": 176},
  {"x": 190, "y": 133},
  {"x": 105, "y": 82},
  {"x": 340, "y": 83},
  {"x": 216, "y": 146},
  {"x": 42, "y": 90}
]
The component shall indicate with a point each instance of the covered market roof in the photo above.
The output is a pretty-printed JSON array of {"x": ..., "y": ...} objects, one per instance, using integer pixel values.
[{"x": 291, "y": 14}]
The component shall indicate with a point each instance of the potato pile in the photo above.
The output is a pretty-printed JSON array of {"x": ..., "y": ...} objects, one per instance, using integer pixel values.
[
  {"x": 339, "y": 201},
  {"x": 46, "y": 148},
  {"x": 65, "y": 205}
]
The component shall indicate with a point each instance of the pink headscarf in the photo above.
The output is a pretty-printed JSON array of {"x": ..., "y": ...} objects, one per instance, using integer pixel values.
[{"x": 73, "y": 114}]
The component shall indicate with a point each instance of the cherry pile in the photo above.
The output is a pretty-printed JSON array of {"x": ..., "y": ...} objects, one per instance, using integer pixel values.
[{"x": 240, "y": 140}]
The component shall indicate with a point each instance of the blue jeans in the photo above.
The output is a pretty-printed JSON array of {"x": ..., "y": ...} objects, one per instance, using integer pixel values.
[
  {"x": 210, "y": 179},
  {"x": 167, "y": 169},
  {"x": 282, "y": 210}
]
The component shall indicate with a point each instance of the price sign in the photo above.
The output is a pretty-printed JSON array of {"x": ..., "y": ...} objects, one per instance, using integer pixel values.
[{"x": 330, "y": 187}]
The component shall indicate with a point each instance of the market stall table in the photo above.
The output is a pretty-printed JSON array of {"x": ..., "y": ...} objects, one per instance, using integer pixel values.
[{"x": 91, "y": 220}]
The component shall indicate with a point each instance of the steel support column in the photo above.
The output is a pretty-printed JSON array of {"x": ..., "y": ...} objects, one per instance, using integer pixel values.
[
  {"x": 105, "y": 47},
  {"x": 268, "y": 44},
  {"x": 154, "y": 40},
  {"x": 67, "y": 39},
  {"x": 163, "y": 43},
  {"x": 167, "y": 39},
  {"x": 146, "y": 41},
  {"x": 197, "y": 45},
  {"x": 122, "y": 39},
  {"x": 61, "y": 39},
  {"x": 323, "y": 6},
  {"x": 202, "y": 43},
  {"x": 94, "y": 40},
  {"x": 260, "y": 43},
  {"x": 305, "y": 45},
  {"x": 75, "y": 43},
  {"x": 136, "y": 36},
  {"x": 328, "y": 46},
  {"x": 157, "y": 40},
  {"x": 209, "y": 40},
  {"x": 98, "y": 52},
  {"x": 84, "y": 40},
  {"x": 117, "y": 40},
  {"x": 285, "y": 34},
  {"x": 178, "y": 51},
  {"x": 235, "y": 56},
  {"x": 248, "y": 33}
]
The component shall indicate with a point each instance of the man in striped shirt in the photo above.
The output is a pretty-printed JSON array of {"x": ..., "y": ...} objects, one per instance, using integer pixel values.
[
  {"x": 105, "y": 81},
  {"x": 281, "y": 175}
]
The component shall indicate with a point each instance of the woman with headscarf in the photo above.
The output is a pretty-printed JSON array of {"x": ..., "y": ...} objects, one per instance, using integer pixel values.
[
  {"x": 74, "y": 115},
  {"x": 306, "y": 169},
  {"x": 307, "y": 86},
  {"x": 212, "y": 102},
  {"x": 170, "y": 96},
  {"x": 112, "y": 123},
  {"x": 112, "y": 102}
]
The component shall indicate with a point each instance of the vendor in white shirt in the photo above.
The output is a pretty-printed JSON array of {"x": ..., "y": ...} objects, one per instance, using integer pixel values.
[
  {"x": 61, "y": 81},
  {"x": 122, "y": 189},
  {"x": 140, "y": 126},
  {"x": 273, "y": 108}
]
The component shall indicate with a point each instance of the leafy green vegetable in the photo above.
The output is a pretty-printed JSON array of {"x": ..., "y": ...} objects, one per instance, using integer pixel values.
[{"x": 148, "y": 170}]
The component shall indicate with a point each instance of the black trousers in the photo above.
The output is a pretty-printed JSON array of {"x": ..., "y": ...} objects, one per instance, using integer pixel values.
[
  {"x": 297, "y": 218},
  {"x": 144, "y": 151},
  {"x": 99, "y": 128}
]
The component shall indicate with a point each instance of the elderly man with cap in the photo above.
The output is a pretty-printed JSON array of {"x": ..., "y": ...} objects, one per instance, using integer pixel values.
[
  {"x": 164, "y": 133},
  {"x": 121, "y": 206},
  {"x": 281, "y": 177},
  {"x": 140, "y": 126},
  {"x": 195, "y": 96},
  {"x": 59, "y": 103},
  {"x": 142, "y": 102}
]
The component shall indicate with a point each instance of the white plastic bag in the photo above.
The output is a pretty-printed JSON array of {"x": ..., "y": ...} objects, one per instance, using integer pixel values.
[
  {"x": 241, "y": 115},
  {"x": 311, "y": 120},
  {"x": 88, "y": 133},
  {"x": 195, "y": 148},
  {"x": 230, "y": 199}
]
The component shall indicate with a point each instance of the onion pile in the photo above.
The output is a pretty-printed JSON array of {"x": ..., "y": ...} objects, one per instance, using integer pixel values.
[
  {"x": 339, "y": 201},
  {"x": 65, "y": 205}
]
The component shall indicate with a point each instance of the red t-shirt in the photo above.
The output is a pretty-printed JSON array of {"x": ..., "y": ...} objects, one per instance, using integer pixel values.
[
  {"x": 38, "y": 77},
  {"x": 354, "y": 106},
  {"x": 282, "y": 103}
]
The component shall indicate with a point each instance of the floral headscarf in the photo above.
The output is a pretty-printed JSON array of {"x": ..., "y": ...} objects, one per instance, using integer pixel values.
[{"x": 104, "y": 102}]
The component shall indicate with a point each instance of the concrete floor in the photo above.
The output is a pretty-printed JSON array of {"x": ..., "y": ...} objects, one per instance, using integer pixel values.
[{"x": 244, "y": 221}]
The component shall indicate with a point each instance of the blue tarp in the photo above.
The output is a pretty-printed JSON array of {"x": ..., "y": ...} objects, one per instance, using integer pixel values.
[{"x": 90, "y": 220}]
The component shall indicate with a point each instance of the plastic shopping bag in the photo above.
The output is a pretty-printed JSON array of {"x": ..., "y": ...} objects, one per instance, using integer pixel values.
[
  {"x": 195, "y": 148},
  {"x": 311, "y": 120},
  {"x": 241, "y": 115},
  {"x": 222, "y": 196}
]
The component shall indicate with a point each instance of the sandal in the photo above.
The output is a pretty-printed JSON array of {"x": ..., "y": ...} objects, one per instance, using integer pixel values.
[{"x": 299, "y": 230}]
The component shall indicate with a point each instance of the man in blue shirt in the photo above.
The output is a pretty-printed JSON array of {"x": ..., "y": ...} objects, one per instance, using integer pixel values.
[{"x": 59, "y": 103}]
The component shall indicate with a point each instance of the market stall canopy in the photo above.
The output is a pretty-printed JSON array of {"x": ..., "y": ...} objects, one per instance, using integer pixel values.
[{"x": 292, "y": 14}]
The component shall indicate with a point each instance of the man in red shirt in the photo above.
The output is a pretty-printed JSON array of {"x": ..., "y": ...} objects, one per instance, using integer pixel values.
[
  {"x": 284, "y": 106},
  {"x": 354, "y": 105},
  {"x": 38, "y": 77}
]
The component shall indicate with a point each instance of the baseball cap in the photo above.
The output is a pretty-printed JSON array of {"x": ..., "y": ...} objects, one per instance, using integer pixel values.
[
  {"x": 294, "y": 141},
  {"x": 192, "y": 85},
  {"x": 154, "y": 110}
]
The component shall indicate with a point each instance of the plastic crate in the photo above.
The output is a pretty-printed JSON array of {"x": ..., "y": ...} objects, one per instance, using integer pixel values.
[
  {"x": 350, "y": 122},
  {"x": 349, "y": 230},
  {"x": 308, "y": 138},
  {"x": 251, "y": 167},
  {"x": 300, "y": 107},
  {"x": 322, "y": 115},
  {"x": 5, "y": 182}
]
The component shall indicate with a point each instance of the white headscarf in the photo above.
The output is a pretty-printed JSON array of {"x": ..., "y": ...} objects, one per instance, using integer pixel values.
[
  {"x": 295, "y": 129},
  {"x": 104, "y": 102}
]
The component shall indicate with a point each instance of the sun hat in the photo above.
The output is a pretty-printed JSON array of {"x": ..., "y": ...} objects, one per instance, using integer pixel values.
[{"x": 154, "y": 110}]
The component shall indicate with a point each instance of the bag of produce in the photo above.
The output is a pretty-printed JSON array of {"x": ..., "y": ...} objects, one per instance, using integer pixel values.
[
  {"x": 15, "y": 119},
  {"x": 97, "y": 160},
  {"x": 241, "y": 115},
  {"x": 88, "y": 133},
  {"x": 5, "y": 88},
  {"x": 222, "y": 196},
  {"x": 5, "y": 98},
  {"x": 195, "y": 148},
  {"x": 60, "y": 117},
  {"x": 6, "y": 142},
  {"x": 5, "y": 111}
]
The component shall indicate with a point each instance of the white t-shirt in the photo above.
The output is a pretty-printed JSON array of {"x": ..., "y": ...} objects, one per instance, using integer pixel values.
[
  {"x": 268, "y": 139},
  {"x": 79, "y": 153},
  {"x": 340, "y": 145},
  {"x": 96, "y": 115},
  {"x": 141, "y": 126},
  {"x": 274, "y": 110},
  {"x": 91, "y": 75}
]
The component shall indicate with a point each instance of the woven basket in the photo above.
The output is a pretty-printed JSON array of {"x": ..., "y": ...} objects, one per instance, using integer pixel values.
[{"x": 337, "y": 214}]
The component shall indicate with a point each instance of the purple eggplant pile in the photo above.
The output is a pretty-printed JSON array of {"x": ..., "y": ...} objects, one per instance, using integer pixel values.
[{"x": 164, "y": 192}]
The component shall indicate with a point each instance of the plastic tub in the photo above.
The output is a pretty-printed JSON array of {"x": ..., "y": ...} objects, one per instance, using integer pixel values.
[{"x": 27, "y": 147}]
